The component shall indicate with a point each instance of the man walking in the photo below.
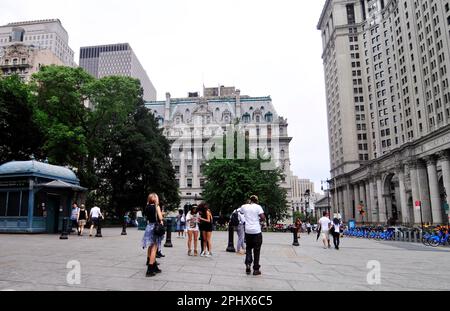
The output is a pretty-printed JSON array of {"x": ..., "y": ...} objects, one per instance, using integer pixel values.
[
  {"x": 253, "y": 215},
  {"x": 325, "y": 224},
  {"x": 74, "y": 217}
]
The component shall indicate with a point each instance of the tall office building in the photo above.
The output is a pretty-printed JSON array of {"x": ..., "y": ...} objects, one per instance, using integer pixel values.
[
  {"x": 42, "y": 34},
  {"x": 388, "y": 102},
  {"x": 26, "y": 46},
  {"x": 195, "y": 124},
  {"x": 116, "y": 59}
]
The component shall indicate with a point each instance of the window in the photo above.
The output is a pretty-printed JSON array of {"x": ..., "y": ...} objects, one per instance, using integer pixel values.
[
  {"x": 351, "y": 13},
  {"x": 189, "y": 183},
  {"x": 2, "y": 204},
  {"x": 13, "y": 204}
]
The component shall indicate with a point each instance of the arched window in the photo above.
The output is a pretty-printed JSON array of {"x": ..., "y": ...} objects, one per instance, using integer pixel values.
[
  {"x": 268, "y": 117},
  {"x": 251, "y": 108},
  {"x": 246, "y": 118}
]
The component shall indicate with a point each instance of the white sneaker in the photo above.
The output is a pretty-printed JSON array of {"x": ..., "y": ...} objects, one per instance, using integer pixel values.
[
  {"x": 208, "y": 255},
  {"x": 202, "y": 254}
]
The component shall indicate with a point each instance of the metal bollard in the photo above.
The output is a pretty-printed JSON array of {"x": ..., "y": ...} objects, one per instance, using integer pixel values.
[
  {"x": 295, "y": 243},
  {"x": 64, "y": 234},
  {"x": 230, "y": 247},
  {"x": 124, "y": 227},
  {"x": 168, "y": 233}
]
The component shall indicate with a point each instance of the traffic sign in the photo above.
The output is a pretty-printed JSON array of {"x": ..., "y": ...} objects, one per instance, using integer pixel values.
[{"x": 418, "y": 204}]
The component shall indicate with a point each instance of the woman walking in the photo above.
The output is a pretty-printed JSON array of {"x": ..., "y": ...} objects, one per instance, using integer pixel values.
[
  {"x": 206, "y": 227},
  {"x": 192, "y": 220},
  {"x": 336, "y": 233},
  {"x": 82, "y": 219},
  {"x": 150, "y": 240}
]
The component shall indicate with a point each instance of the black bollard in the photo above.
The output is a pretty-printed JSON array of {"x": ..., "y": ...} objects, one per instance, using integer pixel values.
[
  {"x": 295, "y": 243},
  {"x": 168, "y": 233},
  {"x": 64, "y": 234},
  {"x": 230, "y": 247},
  {"x": 124, "y": 227},
  {"x": 99, "y": 229}
]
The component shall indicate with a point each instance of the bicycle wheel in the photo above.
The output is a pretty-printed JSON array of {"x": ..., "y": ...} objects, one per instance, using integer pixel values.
[{"x": 434, "y": 242}]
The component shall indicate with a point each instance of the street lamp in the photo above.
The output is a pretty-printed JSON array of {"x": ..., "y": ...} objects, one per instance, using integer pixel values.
[
  {"x": 327, "y": 183},
  {"x": 307, "y": 196}
]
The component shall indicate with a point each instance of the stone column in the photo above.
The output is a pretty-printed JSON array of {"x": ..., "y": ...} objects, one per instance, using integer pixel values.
[
  {"x": 368, "y": 202},
  {"x": 381, "y": 202},
  {"x": 413, "y": 174},
  {"x": 362, "y": 197},
  {"x": 445, "y": 164},
  {"x": 373, "y": 203},
  {"x": 435, "y": 197},
  {"x": 346, "y": 203},
  {"x": 403, "y": 200},
  {"x": 349, "y": 201},
  {"x": 357, "y": 201},
  {"x": 341, "y": 201},
  {"x": 183, "y": 167},
  {"x": 424, "y": 191}
]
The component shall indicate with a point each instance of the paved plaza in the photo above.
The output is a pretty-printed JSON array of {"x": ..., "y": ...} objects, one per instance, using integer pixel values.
[{"x": 115, "y": 262}]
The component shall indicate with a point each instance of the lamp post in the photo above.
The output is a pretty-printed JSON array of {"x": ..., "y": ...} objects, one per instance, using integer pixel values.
[
  {"x": 327, "y": 183},
  {"x": 307, "y": 197}
]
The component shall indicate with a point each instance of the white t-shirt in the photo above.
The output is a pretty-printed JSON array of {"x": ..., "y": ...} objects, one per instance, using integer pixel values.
[
  {"x": 95, "y": 212},
  {"x": 324, "y": 222},
  {"x": 251, "y": 215},
  {"x": 192, "y": 222}
]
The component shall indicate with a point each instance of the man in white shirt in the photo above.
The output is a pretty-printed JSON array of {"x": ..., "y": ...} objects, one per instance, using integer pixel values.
[
  {"x": 95, "y": 214},
  {"x": 325, "y": 224},
  {"x": 253, "y": 215}
]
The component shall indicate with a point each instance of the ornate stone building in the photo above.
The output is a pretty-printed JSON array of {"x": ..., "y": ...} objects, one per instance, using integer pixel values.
[
  {"x": 24, "y": 60},
  {"x": 195, "y": 127},
  {"x": 386, "y": 68}
]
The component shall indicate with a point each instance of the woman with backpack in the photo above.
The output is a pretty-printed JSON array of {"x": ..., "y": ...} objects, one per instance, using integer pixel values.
[
  {"x": 82, "y": 219},
  {"x": 238, "y": 220}
]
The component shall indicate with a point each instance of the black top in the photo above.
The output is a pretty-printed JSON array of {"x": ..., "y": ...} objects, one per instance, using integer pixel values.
[
  {"x": 83, "y": 215},
  {"x": 150, "y": 213}
]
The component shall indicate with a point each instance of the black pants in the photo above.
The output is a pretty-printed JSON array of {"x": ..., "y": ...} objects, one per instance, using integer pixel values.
[
  {"x": 254, "y": 243},
  {"x": 336, "y": 238}
]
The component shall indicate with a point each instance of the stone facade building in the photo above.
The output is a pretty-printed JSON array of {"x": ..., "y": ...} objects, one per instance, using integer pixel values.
[
  {"x": 27, "y": 46},
  {"x": 195, "y": 127},
  {"x": 46, "y": 34},
  {"x": 386, "y": 68}
]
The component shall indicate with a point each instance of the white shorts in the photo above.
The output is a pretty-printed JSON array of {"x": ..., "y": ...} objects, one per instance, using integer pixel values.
[{"x": 325, "y": 235}]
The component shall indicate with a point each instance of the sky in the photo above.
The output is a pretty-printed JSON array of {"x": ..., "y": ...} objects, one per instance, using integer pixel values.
[{"x": 262, "y": 47}]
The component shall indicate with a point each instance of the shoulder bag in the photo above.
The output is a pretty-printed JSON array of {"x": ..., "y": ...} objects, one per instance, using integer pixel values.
[{"x": 159, "y": 230}]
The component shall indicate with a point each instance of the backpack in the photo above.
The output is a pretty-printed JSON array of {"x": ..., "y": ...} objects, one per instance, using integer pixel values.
[{"x": 234, "y": 220}]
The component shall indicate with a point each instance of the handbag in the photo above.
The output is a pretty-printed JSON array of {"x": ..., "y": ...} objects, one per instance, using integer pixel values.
[{"x": 159, "y": 230}]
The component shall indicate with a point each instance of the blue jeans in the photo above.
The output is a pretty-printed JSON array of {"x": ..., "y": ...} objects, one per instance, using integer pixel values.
[{"x": 241, "y": 237}]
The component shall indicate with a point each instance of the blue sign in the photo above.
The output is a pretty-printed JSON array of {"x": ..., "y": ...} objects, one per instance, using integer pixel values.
[{"x": 352, "y": 224}]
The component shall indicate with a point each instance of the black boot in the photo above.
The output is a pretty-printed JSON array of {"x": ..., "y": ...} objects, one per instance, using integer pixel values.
[
  {"x": 160, "y": 255},
  {"x": 150, "y": 271},
  {"x": 156, "y": 269},
  {"x": 148, "y": 261}
]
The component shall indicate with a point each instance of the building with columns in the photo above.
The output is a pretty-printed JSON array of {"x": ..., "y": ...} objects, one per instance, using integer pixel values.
[
  {"x": 302, "y": 201},
  {"x": 386, "y": 68},
  {"x": 195, "y": 125}
]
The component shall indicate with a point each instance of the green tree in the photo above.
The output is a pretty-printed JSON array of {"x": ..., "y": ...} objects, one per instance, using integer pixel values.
[
  {"x": 60, "y": 97},
  {"x": 129, "y": 156},
  {"x": 230, "y": 182},
  {"x": 20, "y": 136}
]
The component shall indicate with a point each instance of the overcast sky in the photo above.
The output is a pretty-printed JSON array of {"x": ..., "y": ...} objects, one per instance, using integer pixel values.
[{"x": 263, "y": 47}]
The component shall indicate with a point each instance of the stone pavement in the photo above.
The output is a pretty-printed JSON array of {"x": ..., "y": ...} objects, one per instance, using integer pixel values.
[{"x": 115, "y": 262}]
